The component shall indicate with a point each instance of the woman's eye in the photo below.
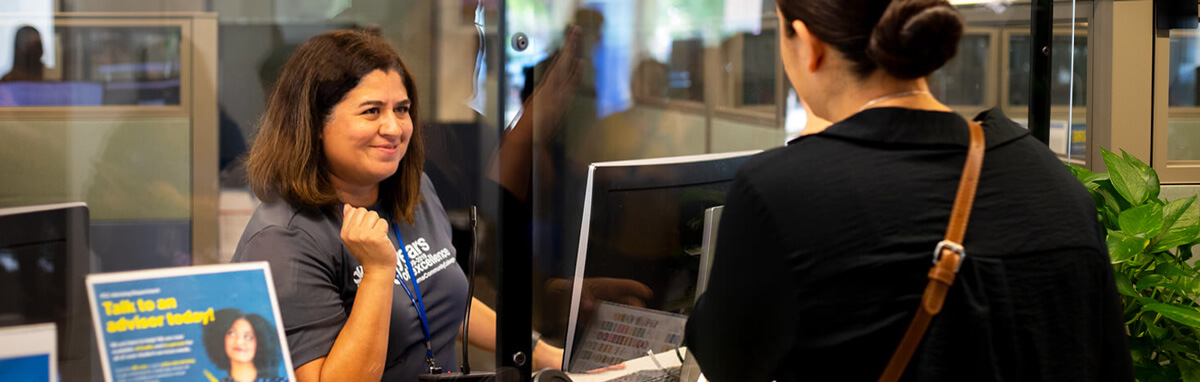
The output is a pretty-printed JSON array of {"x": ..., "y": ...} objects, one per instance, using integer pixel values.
[
  {"x": 373, "y": 110},
  {"x": 402, "y": 110}
]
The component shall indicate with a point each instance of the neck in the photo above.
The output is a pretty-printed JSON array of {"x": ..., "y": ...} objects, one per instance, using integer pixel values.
[
  {"x": 242, "y": 371},
  {"x": 355, "y": 195},
  {"x": 876, "y": 88}
]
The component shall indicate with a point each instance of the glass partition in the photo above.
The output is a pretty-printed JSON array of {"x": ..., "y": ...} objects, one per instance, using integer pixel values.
[
  {"x": 1183, "y": 98},
  {"x": 91, "y": 66},
  {"x": 630, "y": 80},
  {"x": 106, "y": 109},
  {"x": 993, "y": 68},
  {"x": 134, "y": 113}
]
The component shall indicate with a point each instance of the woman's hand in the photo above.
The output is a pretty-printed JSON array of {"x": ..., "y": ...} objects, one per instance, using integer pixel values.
[
  {"x": 360, "y": 351},
  {"x": 547, "y": 356},
  {"x": 365, "y": 235}
]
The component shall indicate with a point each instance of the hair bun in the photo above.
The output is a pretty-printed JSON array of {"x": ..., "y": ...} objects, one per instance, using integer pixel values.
[{"x": 915, "y": 37}]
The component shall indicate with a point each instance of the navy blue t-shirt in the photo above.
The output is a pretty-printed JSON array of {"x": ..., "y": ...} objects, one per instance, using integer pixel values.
[{"x": 316, "y": 280}]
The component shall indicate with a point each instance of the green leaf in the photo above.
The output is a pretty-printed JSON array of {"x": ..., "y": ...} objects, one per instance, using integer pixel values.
[
  {"x": 1112, "y": 198},
  {"x": 1158, "y": 281},
  {"x": 1170, "y": 270},
  {"x": 1175, "y": 237},
  {"x": 1127, "y": 179},
  {"x": 1174, "y": 210},
  {"x": 1179, "y": 313},
  {"x": 1080, "y": 173},
  {"x": 1138, "y": 349},
  {"x": 1153, "y": 372},
  {"x": 1109, "y": 204},
  {"x": 1175, "y": 347},
  {"x": 1145, "y": 219},
  {"x": 1151, "y": 177},
  {"x": 1124, "y": 285},
  {"x": 1189, "y": 370},
  {"x": 1122, "y": 246},
  {"x": 1181, "y": 224},
  {"x": 1156, "y": 332},
  {"x": 1146, "y": 300}
]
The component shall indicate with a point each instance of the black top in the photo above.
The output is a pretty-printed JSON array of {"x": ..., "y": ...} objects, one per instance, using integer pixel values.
[
  {"x": 316, "y": 280},
  {"x": 825, "y": 244}
]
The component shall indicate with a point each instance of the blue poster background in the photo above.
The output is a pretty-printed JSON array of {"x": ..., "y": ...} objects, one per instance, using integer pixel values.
[
  {"x": 162, "y": 337},
  {"x": 28, "y": 368}
]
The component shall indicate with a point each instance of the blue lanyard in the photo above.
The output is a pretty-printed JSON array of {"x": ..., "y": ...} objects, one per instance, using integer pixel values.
[{"x": 417, "y": 302}]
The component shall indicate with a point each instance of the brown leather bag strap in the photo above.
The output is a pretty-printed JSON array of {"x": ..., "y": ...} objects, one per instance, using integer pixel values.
[{"x": 947, "y": 258}]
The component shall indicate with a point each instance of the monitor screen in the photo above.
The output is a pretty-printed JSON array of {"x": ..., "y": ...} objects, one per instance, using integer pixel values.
[
  {"x": 43, "y": 261},
  {"x": 639, "y": 254}
]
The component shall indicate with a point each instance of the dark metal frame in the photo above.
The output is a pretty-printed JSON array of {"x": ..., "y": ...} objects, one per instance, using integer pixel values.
[
  {"x": 514, "y": 272},
  {"x": 1041, "y": 30}
]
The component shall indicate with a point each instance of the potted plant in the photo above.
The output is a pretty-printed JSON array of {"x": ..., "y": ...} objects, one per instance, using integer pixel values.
[{"x": 1150, "y": 242}]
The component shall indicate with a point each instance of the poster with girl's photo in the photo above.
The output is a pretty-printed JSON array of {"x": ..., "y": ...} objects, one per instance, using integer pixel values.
[{"x": 214, "y": 323}]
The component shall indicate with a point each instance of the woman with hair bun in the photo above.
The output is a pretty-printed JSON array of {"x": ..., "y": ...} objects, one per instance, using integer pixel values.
[{"x": 825, "y": 244}]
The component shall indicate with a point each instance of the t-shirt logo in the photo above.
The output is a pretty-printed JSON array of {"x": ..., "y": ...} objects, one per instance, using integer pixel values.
[{"x": 424, "y": 263}]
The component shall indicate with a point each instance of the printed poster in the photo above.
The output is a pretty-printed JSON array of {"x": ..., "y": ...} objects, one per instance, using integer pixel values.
[
  {"x": 204, "y": 323},
  {"x": 619, "y": 333}
]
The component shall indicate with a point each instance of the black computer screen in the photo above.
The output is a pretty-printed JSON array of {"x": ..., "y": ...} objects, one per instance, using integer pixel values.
[
  {"x": 639, "y": 255},
  {"x": 652, "y": 236},
  {"x": 32, "y": 279},
  {"x": 44, "y": 258}
]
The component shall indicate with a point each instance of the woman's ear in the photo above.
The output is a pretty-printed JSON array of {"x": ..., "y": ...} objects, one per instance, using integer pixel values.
[{"x": 812, "y": 50}]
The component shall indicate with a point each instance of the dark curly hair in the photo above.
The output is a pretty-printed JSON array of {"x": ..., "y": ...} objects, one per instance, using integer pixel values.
[{"x": 266, "y": 355}]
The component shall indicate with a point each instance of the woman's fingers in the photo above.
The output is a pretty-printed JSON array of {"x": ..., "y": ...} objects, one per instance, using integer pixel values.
[{"x": 365, "y": 236}]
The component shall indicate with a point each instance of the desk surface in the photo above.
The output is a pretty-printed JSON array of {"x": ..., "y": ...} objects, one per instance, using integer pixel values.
[{"x": 667, "y": 359}]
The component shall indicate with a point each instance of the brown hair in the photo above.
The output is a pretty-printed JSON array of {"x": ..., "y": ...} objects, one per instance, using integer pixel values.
[
  {"x": 287, "y": 160},
  {"x": 906, "y": 38}
]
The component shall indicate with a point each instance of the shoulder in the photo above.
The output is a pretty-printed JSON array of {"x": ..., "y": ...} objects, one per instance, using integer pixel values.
[
  {"x": 1000, "y": 130},
  {"x": 282, "y": 215},
  {"x": 429, "y": 202},
  {"x": 278, "y": 224},
  {"x": 430, "y": 211},
  {"x": 427, "y": 186},
  {"x": 783, "y": 168}
]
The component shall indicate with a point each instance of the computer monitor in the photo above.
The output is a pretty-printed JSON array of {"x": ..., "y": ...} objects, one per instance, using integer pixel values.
[
  {"x": 43, "y": 261},
  {"x": 641, "y": 231}
]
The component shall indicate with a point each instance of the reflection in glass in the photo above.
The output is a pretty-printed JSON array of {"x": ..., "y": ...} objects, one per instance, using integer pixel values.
[
  {"x": 1183, "y": 122},
  {"x": 750, "y": 68},
  {"x": 1184, "y": 64},
  {"x": 657, "y": 79},
  {"x": 1061, "y": 76},
  {"x": 99, "y": 66},
  {"x": 27, "y": 56},
  {"x": 962, "y": 80}
]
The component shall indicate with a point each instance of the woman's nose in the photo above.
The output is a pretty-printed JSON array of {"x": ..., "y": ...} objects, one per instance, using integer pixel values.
[{"x": 391, "y": 125}]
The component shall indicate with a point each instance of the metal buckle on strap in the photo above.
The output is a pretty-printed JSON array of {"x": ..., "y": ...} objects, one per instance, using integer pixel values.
[{"x": 952, "y": 246}]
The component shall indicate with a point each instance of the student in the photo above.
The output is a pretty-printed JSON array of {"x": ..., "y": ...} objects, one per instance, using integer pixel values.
[
  {"x": 245, "y": 345},
  {"x": 825, "y": 243}
]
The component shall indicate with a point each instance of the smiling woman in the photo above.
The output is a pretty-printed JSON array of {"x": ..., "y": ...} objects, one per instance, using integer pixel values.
[
  {"x": 357, "y": 68},
  {"x": 349, "y": 220},
  {"x": 244, "y": 345},
  {"x": 366, "y": 136}
]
